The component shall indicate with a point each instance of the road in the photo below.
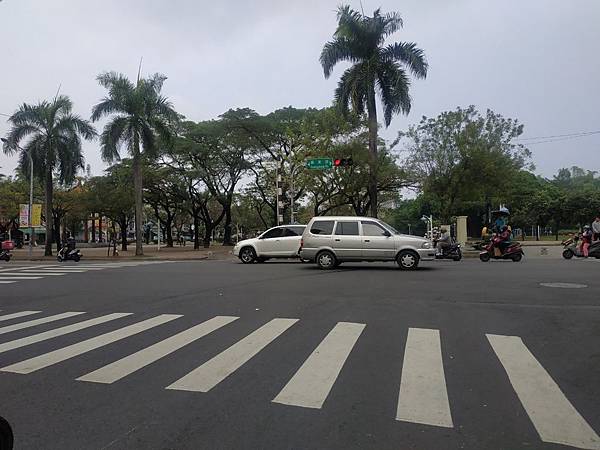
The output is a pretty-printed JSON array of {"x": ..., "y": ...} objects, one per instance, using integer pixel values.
[{"x": 281, "y": 355}]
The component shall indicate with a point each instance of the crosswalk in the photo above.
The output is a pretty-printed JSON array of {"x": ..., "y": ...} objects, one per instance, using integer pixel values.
[
  {"x": 11, "y": 275},
  {"x": 422, "y": 390}
]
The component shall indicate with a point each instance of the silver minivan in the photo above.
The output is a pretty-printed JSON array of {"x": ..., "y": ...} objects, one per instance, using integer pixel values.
[{"x": 331, "y": 240}]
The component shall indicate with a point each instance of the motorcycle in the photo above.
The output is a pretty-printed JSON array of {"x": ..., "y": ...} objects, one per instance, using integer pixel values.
[
  {"x": 452, "y": 252},
  {"x": 66, "y": 254},
  {"x": 5, "y": 253},
  {"x": 513, "y": 251},
  {"x": 572, "y": 248}
]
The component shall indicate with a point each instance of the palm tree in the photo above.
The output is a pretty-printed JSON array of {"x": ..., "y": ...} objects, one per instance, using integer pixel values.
[
  {"x": 52, "y": 134},
  {"x": 360, "y": 40},
  {"x": 140, "y": 117}
]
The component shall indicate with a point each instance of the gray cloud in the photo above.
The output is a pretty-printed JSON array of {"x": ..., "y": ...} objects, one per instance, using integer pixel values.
[{"x": 535, "y": 60}]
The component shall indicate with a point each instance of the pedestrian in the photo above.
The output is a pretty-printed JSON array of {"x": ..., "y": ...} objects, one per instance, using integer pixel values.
[
  {"x": 596, "y": 228},
  {"x": 586, "y": 240}
]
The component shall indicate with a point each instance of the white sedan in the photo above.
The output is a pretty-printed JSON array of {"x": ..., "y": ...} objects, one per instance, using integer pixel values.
[{"x": 277, "y": 242}]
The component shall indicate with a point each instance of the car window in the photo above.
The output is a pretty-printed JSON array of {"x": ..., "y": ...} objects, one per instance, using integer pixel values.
[
  {"x": 293, "y": 231},
  {"x": 322, "y": 227},
  {"x": 272, "y": 233},
  {"x": 299, "y": 229},
  {"x": 347, "y": 228},
  {"x": 373, "y": 229}
]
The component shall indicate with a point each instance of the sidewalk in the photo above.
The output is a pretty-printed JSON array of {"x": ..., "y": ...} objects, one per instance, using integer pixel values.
[{"x": 150, "y": 252}]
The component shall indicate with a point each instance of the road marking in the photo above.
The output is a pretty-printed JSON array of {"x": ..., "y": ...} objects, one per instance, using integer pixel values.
[
  {"x": 129, "y": 364},
  {"x": 62, "y": 354},
  {"x": 18, "y": 343},
  {"x": 7, "y": 282},
  {"x": 212, "y": 372},
  {"x": 33, "y": 323},
  {"x": 40, "y": 273},
  {"x": 18, "y": 314},
  {"x": 423, "y": 397},
  {"x": 564, "y": 285},
  {"x": 18, "y": 277},
  {"x": 311, "y": 384},
  {"x": 553, "y": 416}
]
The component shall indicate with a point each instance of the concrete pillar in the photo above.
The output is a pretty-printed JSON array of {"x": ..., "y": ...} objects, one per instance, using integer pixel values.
[{"x": 461, "y": 230}]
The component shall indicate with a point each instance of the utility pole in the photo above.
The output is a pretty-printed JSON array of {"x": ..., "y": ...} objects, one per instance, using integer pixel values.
[{"x": 293, "y": 193}]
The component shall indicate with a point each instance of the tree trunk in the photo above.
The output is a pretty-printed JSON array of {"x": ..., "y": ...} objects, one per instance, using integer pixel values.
[
  {"x": 169, "y": 229},
  {"x": 207, "y": 235},
  {"x": 49, "y": 218},
  {"x": 139, "y": 199},
  {"x": 196, "y": 232},
  {"x": 227, "y": 226},
  {"x": 372, "y": 187},
  {"x": 123, "y": 226}
]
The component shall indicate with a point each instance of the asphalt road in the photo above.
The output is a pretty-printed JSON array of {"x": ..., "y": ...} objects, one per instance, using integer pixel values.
[{"x": 454, "y": 355}]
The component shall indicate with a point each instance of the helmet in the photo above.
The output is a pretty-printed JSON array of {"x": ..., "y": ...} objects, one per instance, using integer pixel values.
[{"x": 587, "y": 227}]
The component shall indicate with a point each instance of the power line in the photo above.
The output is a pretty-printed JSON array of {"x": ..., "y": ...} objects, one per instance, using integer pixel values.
[
  {"x": 560, "y": 139},
  {"x": 580, "y": 134}
]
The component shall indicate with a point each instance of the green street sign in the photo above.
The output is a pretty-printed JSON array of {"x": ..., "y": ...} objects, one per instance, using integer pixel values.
[{"x": 319, "y": 163}]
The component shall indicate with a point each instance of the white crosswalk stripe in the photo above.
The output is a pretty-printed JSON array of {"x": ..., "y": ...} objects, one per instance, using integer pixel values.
[
  {"x": 18, "y": 343},
  {"x": 62, "y": 354},
  {"x": 126, "y": 366},
  {"x": 553, "y": 416},
  {"x": 35, "y": 322},
  {"x": 311, "y": 384},
  {"x": 7, "y": 282},
  {"x": 211, "y": 373},
  {"x": 423, "y": 397},
  {"x": 18, "y": 314},
  {"x": 18, "y": 277}
]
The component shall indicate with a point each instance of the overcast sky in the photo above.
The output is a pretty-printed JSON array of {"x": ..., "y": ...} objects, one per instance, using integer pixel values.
[{"x": 535, "y": 60}]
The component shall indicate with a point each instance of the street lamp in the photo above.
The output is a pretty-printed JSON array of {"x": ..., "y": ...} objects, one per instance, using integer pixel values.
[{"x": 30, "y": 194}]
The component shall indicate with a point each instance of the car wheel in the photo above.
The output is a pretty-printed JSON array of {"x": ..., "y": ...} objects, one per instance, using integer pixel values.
[
  {"x": 517, "y": 257},
  {"x": 484, "y": 257},
  {"x": 567, "y": 254},
  {"x": 6, "y": 434},
  {"x": 247, "y": 255},
  {"x": 407, "y": 260},
  {"x": 326, "y": 260}
]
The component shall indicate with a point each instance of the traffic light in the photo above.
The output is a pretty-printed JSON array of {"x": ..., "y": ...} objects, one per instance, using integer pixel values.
[{"x": 342, "y": 162}]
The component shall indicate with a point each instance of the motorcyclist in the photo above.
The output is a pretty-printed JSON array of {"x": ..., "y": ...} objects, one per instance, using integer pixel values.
[
  {"x": 443, "y": 241},
  {"x": 503, "y": 238},
  {"x": 586, "y": 240}
]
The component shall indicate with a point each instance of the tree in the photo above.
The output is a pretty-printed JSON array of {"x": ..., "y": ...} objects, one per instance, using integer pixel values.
[
  {"x": 140, "y": 116},
  {"x": 375, "y": 67},
  {"x": 462, "y": 156},
  {"x": 52, "y": 134},
  {"x": 163, "y": 194}
]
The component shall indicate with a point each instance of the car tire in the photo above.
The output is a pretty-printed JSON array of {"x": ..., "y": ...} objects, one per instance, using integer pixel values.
[
  {"x": 247, "y": 255},
  {"x": 407, "y": 260},
  {"x": 326, "y": 260},
  {"x": 6, "y": 435}
]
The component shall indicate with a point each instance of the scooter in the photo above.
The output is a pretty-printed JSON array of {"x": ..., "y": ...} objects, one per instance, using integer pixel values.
[
  {"x": 64, "y": 254},
  {"x": 513, "y": 251},
  {"x": 5, "y": 253},
  {"x": 452, "y": 252},
  {"x": 572, "y": 248}
]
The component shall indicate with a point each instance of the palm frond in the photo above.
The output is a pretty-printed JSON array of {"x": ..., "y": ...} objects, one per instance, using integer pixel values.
[
  {"x": 337, "y": 50},
  {"x": 409, "y": 54},
  {"x": 352, "y": 90},
  {"x": 115, "y": 132},
  {"x": 394, "y": 90},
  {"x": 73, "y": 123},
  {"x": 148, "y": 140}
]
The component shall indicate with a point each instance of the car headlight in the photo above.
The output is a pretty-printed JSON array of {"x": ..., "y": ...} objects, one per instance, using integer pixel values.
[{"x": 426, "y": 244}]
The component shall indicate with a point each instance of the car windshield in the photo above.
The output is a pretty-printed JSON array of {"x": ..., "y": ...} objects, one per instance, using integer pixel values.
[{"x": 389, "y": 227}]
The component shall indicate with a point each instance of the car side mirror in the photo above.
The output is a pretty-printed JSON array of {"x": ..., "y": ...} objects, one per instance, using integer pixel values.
[{"x": 387, "y": 233}]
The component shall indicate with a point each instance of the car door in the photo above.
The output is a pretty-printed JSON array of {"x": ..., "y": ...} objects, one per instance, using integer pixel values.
[
  {"x": 290, "y": 241},
  {"x": 377, "y": 242},
  {"x": 269, "y": 242},
  {"x": 347, "y": 241}
]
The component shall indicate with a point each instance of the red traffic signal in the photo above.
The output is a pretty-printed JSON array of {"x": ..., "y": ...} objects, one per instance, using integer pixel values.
[{"x": 342, "y": 162}]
